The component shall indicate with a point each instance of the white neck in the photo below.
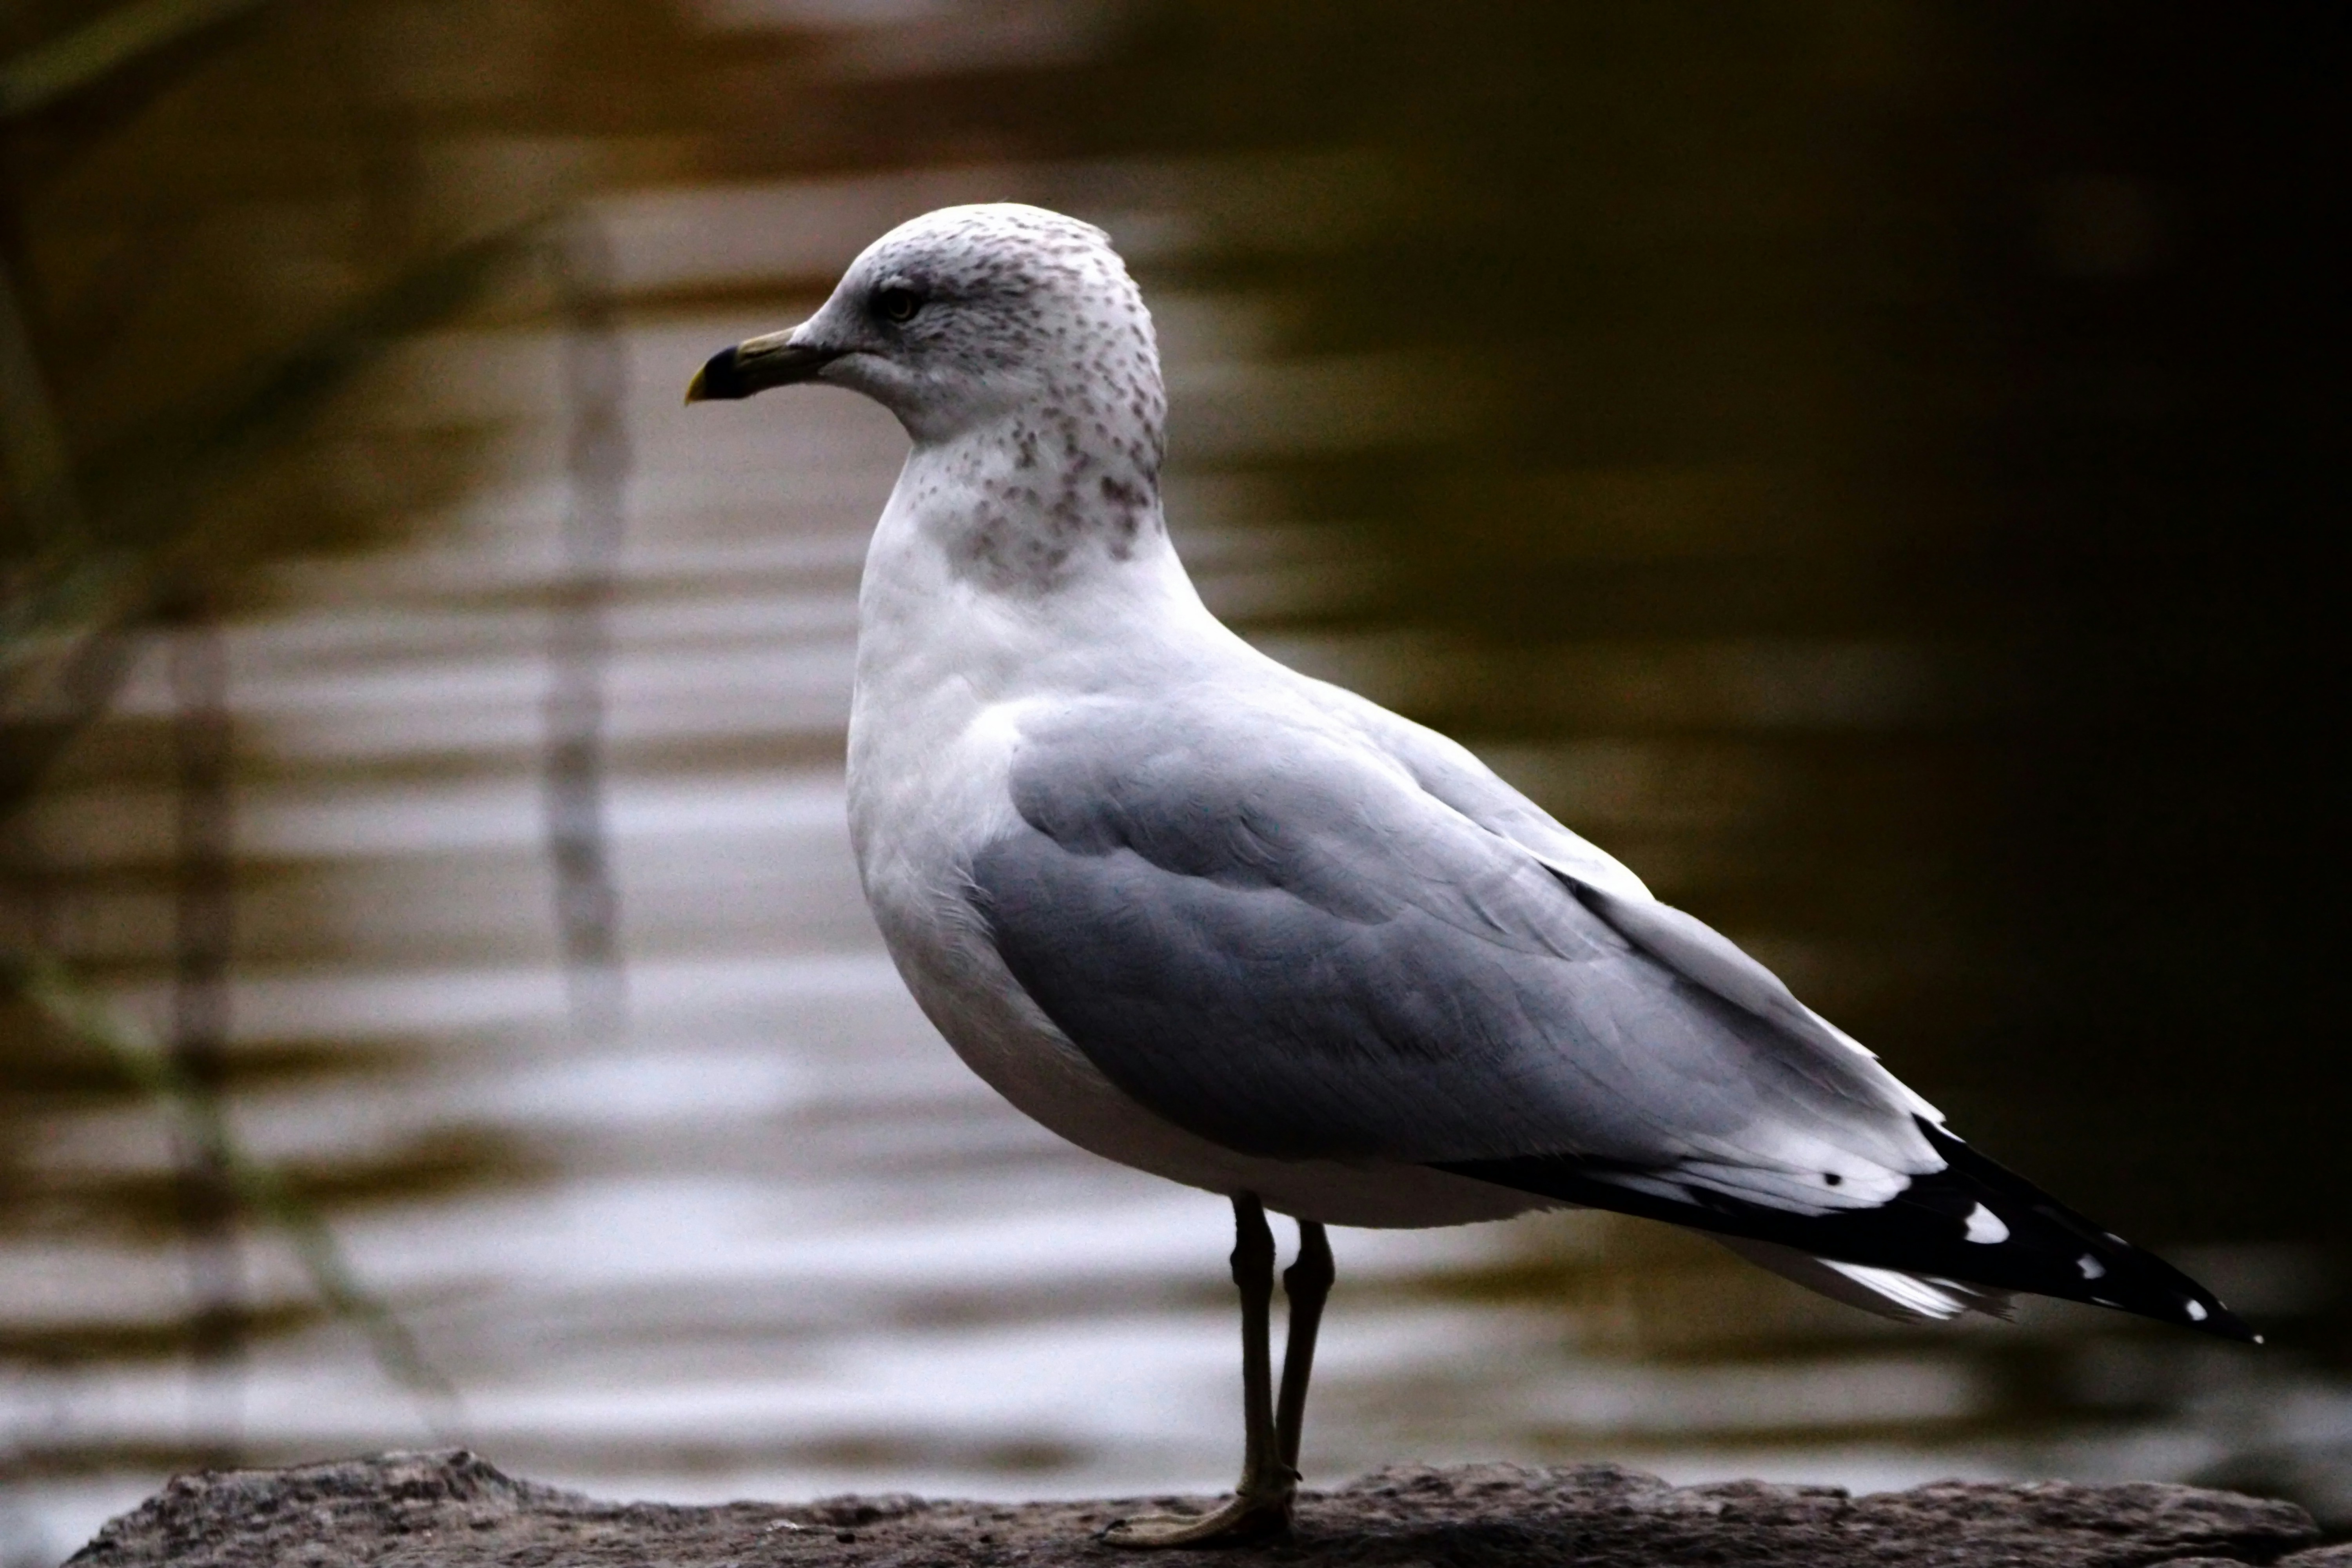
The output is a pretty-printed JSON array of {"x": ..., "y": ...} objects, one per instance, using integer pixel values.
[{"x": 997, "y": 571}]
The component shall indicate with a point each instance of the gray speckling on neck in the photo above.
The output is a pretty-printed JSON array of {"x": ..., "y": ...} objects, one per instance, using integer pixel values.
[{"x": 1032, "y": 321}]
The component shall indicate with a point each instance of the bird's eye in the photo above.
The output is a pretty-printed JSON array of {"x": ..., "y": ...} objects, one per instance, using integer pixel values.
[{"x": 896, "y": 304}]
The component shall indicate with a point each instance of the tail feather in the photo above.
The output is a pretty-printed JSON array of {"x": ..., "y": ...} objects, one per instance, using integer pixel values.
[
  {"x": 1973, "y": 1223},
  {"x": 1887, "y": 1292}
]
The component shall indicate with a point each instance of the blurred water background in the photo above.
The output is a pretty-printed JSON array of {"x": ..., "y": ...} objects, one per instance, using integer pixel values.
[{"x": 1871, "y": 465}]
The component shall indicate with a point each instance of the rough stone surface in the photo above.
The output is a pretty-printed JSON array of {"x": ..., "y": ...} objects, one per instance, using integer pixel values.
[{"x": 453, "y": 1510}]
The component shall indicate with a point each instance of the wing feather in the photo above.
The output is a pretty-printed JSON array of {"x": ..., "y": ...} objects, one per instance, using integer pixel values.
[{"x": 1274, "y": 935}]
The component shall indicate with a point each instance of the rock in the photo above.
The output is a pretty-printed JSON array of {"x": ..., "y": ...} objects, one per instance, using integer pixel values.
[{"x": 454, "y": 1509}]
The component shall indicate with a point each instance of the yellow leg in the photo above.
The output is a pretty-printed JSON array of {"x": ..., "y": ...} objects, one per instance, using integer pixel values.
[
  {"x": 1262, "y": 1503},
  {"x": 1308, "y": 1284}
]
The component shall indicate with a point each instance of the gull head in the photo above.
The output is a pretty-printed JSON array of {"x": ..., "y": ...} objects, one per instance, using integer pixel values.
[{"x": 976, "y": 317}]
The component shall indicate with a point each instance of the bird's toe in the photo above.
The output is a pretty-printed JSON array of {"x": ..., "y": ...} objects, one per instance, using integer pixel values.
[{"x": 1245, "y": 1518}]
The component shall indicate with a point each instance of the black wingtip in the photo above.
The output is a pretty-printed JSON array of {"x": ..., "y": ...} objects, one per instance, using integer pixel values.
[
  {"x": 2220, "y": 1320},
  {"x": 2048, "y": 1235},
  {"x": 1973, "y": 1221}
]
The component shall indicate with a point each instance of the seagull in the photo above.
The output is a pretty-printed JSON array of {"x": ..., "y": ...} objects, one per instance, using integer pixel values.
[{"x": 1243, "y": 929}]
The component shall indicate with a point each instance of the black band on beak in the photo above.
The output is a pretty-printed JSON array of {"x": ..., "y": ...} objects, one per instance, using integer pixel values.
[
  {"x": 755, "y": 366},
  {"x": 717, "y": 379}
]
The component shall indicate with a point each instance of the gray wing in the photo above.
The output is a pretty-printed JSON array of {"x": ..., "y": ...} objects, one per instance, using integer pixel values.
[
  {"x": 1450, "y": 772},
  {"x": 1453, "y": 775},
  {"x": 1272, "y": 933}
]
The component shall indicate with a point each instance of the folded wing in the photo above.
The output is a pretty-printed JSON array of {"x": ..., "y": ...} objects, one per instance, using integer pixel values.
[
  {"x": 1276, "y": 931},
  {"x": 1272, "y": 935}
]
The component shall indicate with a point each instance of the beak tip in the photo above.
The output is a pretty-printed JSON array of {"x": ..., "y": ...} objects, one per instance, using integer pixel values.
[{"x": 718, "y": 379}]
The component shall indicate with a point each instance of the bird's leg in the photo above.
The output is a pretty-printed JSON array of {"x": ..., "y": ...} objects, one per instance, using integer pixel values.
[
  {"x": 1261, "y": 1503},
  {"x": 1307, "y": 1283}
]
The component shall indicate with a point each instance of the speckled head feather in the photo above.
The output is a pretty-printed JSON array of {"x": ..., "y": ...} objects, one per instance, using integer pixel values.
[
  {"x": 1017, "y": 352},
  {"x": 966, "y": 315}
]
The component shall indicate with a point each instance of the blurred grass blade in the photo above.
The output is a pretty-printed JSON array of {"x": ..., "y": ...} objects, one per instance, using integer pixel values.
[
  {"x": 596, "y": 461},
  {"x": 40, "y": 77},
  {"x": 260, "y": 1189}
]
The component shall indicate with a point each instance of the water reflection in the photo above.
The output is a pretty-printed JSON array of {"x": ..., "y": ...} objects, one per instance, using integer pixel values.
[{"x": 1518, "y": 408}]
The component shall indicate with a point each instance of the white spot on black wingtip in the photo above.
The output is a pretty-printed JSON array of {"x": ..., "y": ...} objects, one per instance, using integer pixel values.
[
  {"x": 2259, "y": 1340},
  {"x": 1985, "y": 1227},
  {"x": 2091, "y": 1266},
  {"x": 2195, "y": 1310}
]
